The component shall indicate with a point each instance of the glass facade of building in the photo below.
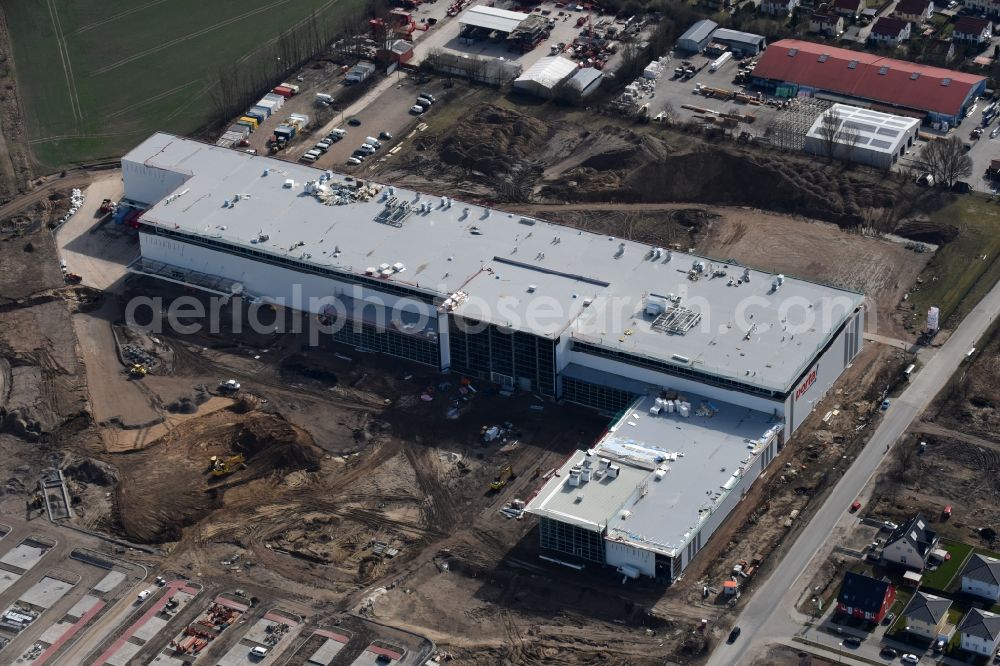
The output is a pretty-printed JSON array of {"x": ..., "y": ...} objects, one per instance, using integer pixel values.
[
  {"x": 602, "y": 398},
  {"x": 373, "y": 338},
  {"x": 485, "y": 350},
  {"x": 572, "y": 540}
]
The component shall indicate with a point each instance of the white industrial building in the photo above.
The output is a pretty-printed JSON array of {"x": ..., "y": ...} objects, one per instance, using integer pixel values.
[
  {"x": 863, "y": 136},
  {"x": 544, "y": 77},
  {"x": 521, "y": 302},
  {"x": 492, "y": 18}
]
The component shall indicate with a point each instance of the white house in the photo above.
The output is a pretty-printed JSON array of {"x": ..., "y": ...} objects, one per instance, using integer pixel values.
[
  {"x": 778, "y": 7},
  {"x": 980, "y": 632},
  {"x": 981, "y": 577},
  {"x": 973, "y": 30},
  {"x": 911, "y": 544},
  {"x": 831, "y": 25},
  {"x": 889, "y": 31},
  {"x": 917, "y": 11},
  {"x": 926, "y": 615}
]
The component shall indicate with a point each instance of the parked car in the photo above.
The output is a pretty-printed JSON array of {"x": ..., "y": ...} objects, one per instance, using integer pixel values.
[
  {"x": 733, "y": 635},
  {"x": 353, "y": 122},
  {"x": 145, "y": 594},
  {"x": 424, "y": 103},
  {"x": 323, "y": 146},
  {"x": 258, "y": 652},
  {"x": 889, "y": 525},
  {"x": 385, "y": 136},
  {"x": 888, "y": 653},
  {"x": 909, "y": 658},
  {"x": 888, "y": 619},
  {"x": 961, "y": 187},
  {"x": 852, "y": 642},
  {"x": 416, "y": 110},
  {"x": 353, "y": 161},
  {"x": 360, "y": 154},
  {"x": 367, "y": 149},
  {"x": 855, "y": 506},
  {"x": 311, "y": 156},
  {"x": 426, "y": 95}
]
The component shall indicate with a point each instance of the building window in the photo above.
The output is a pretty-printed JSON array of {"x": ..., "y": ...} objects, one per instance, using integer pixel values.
[
  {"x": 602, "y": 398},
  {"x": 571, "y": 540}
]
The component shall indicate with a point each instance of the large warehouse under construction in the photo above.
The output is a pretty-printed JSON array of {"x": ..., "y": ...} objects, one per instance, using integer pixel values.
[{"x": 741, "y": 355}]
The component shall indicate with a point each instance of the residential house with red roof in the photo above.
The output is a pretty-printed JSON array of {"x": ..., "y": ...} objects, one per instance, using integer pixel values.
[{"x": 881, "y": 83}]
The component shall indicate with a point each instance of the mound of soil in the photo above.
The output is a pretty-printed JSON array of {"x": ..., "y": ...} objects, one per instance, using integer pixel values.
[
  {"x": 167, "y": 486},
  {"x": 91, "y": 471},
  {"x": 270, "y": 443},
  {"x": 721, "y": 175},
  {"x": 492, "y": 140},
  {"x": 925, "y": 231}
]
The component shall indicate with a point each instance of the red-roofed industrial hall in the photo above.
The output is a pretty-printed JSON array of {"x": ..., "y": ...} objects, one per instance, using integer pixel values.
[{"x": 792, "y": 67}]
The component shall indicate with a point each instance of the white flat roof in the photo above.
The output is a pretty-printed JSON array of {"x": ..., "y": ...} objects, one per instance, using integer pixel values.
[
  {"x": 517, "y": 272},
  {"x": 549, "y": 71},
  {"x": 491, "y": 18},
  {"x": 699, "y": 455},
  {"x": 875, "y": 131}
]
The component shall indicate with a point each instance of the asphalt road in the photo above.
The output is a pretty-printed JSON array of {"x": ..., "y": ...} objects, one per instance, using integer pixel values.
[{"x": 768, "y": 615}]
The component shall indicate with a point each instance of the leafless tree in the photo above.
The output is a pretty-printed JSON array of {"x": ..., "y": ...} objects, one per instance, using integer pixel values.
[
  {"x": 828, "y": 129},
  {"x": 946, "y": 160},
  {"x": 848, "y": 137},
  {"x": 669, "y": 114}
]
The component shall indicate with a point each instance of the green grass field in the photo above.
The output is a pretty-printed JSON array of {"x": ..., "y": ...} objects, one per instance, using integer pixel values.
[
  {"x": 96, "y": 77},
  {"x": 941, "y": 578},
  {"x": 962, "y": 271}
]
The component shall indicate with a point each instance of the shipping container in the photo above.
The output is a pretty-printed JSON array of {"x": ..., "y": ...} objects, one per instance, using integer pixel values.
[
  {"x": 256, "y": 115},
  {"x": 250, "y": 119},
  {"x": 266, "y": 110},
  {"x": 291, "y": 86},
  {"x": 245, "y": 123},
  {"x": 284, "y": 92},
  {"x": 302, "y": 118},
  {"x": 286, "y": 131},
  {"x": 278, "y": 100},
  {"x": 225, "y": 143},
  {"x": 243, "y": 130}
]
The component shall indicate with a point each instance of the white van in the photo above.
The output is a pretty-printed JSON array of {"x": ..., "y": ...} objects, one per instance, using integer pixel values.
[
  {"x": 311, "y": 156},
  {"x": 258, "y": 652},
  {"x": 145, "y": 594},
  {"x": 372, "y": 141}
]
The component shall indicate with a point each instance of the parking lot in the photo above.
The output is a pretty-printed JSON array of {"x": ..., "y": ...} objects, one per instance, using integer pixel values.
[
  {"x": 51, "y": 590},
  {"x": 389, "y": 113}
]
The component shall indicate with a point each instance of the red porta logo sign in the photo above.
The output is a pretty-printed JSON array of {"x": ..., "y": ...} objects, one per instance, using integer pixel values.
[{"x": 806, "y": 383}]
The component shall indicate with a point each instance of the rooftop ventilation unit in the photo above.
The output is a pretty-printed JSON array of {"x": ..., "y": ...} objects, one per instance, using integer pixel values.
[
  {"x": 852, "y": 65},
  {"x": 676, "y": 320}
]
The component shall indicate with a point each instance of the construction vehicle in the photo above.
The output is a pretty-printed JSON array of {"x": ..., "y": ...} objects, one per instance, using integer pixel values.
[
  {"x": 229, "y": 386},
  {"x": 219, "y": 466},
  {"x": 72, "y": 278},
  {"x": 138, "y": 371},
  {"x": 505, "y": 476}
]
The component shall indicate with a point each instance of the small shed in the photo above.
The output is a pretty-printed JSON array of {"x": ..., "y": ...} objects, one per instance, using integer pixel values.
[
  {"x": 585, "y": 81},
  {"x": 697, "y": 36},
  {"x": 912, "y": 578}
]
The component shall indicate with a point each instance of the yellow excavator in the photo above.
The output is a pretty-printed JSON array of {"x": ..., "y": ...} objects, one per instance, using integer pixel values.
[
  {"x": 505, "y": 476},
  {"x": 219, "y": 466},
  {"x": 138, "y": 371}
]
